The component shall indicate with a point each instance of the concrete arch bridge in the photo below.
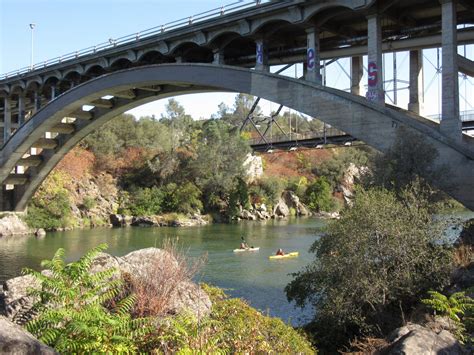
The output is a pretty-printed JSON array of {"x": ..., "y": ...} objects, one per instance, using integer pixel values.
[{"x": 43, "y": 107}]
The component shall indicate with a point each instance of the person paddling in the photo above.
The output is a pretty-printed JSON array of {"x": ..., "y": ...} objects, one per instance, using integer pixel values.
[
  {"x": 243, "y": 244},
  {"x": 280, "y": 252}
]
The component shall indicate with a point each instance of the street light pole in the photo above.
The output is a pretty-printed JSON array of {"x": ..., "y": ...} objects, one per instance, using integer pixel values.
[{"x": 32, "y": 26}]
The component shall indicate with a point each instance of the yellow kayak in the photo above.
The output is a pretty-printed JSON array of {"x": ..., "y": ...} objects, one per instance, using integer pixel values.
[{"x": 289, "y": 255}]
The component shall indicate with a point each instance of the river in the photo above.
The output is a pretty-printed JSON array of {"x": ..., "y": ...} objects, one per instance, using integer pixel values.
[{"x": 250, "y": 275}]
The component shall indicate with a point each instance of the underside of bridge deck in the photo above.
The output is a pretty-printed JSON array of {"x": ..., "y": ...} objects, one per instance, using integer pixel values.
[{"x": 41, "y": 108}]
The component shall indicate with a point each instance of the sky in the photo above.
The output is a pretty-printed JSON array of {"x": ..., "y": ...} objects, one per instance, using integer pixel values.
[{"x": 64, "y": 26}]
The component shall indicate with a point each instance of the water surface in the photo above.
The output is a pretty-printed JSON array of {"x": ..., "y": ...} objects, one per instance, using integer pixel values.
[{"x": 251, "y": 275}]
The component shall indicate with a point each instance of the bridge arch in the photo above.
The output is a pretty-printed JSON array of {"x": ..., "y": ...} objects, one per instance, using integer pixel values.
[{"x": 373, "y": 124}]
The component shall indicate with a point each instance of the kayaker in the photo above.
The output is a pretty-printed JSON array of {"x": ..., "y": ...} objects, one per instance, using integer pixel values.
[
  {"x": 243, "y": 244},
  {"x": 280, "y": 252}
]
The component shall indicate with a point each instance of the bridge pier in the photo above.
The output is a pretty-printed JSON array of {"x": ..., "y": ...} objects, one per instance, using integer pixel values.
[
  {"x": 451, "y": 124},
  {"x": 375, "y": 91},
  {"x": 416, "y": 82},
  {"x": 21, "y": 108},
  {"x": 36, "y": 101},
  {"x": 357, "y": 72},
  {"x": 313, "y": 56},
  {"x": 218, "y": 56},
  {"x": 261, "y": 55},
  {"x": 7, "y": 118}
]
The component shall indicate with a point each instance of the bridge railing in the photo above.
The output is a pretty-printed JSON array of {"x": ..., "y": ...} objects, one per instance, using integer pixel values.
[
  {"x": 466, "y": 116},
  {"x": 295, "y": 137},
  {"x": 111, "y": 43}
]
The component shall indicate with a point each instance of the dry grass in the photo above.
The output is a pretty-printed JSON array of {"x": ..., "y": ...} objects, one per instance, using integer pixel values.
[
  {"x": 365, "y": 346},
  {"x": 155, "y": 289}
]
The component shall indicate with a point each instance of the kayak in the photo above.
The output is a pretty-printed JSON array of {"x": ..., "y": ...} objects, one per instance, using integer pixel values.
[
  {"x": 247, "y": 249},
  {"x": 289, "y": 255}
]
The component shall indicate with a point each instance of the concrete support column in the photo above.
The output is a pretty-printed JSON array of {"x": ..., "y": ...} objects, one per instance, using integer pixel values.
[
  {"x": 313, "y": 57},
  {"x": 357, "y": 72},
  {"x": 36, "y": 101},
  {"x": 21, "y": 109},
  {"x": 375, "y": 92},
  {"x": 218, "y": 57},
  {"x": 53, "y": 92},
  {"x": 7, "y": 118},
  {"x": 416, "y": 82},
  {"x": 261, "y": 62},
  {"x": 450, "y": 121}
]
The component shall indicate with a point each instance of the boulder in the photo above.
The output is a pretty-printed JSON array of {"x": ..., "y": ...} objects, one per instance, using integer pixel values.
[
  {"x": 40, "y": 232},
  {"x": 189, "y": 297},
  {"x": 16, "y": 305},
  {"x": 350, "y": 177},
  {"x": 120, "y": 220},
  {"x": 253, "y": 166},
  {"x": 13, "y": 225},
  {"x": 281, "y": 209},
  {"x": 414, "y": 339},
  {"x": 148, "y": 221},
  {"x": 262, "y": 215},
  {"x": 247, "y": 215},
  {"x": 15, "y": 340},
  {"x": 293, "y": 201}
]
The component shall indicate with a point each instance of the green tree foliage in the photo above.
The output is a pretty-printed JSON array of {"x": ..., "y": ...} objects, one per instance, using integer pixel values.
[
  {"x": 236, "y": 116},
  {"x": 239, "y": 197},
  {"x": 267, "y": 190},
  {"x": 458, "y": 307},
  {"x": 333, "y": 169},
  {"x": 318, "y": 196},
  {"x": 50, "y": 207},
  {"x": 146, "y": 201},
  {"x": 184, "y": 198},
  {"x": 124, "y": 132},
  {"x": 219, "y": 162},
  {"x": 72, "y": 313},
  {"x": 373, "y": 264},
  {"x": 411, "y": 159},
  {"x": 179, "y": 123}
]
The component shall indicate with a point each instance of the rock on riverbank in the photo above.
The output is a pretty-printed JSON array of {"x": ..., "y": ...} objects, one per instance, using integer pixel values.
[
  {"x": 13, "y": 225},
  {"x": 15, "y": 304},
  {"x": 15, "y": 340},
  {"x": 170, "y": 220}
]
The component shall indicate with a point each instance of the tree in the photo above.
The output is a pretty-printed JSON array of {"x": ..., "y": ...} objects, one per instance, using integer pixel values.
[
  {"x": 318, "y": 195},
  {"x": 221, "y": 153},
  {"x": 180, "y": 123},
  {"x": 50, "y": 207},
  {"x": 371, "y": 266},
  {"x": 242, "y": 105},
  {"x": 333, "y": 169},
  {"x": 411, "y": 159}
]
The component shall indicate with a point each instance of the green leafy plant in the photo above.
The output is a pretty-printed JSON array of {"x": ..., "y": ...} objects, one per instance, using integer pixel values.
[
  {"x": 319, "y": 197},
  {"x": 232, "y": 327},
  {"x": 50, "y": 207},
  {"x": 456, "y": 307},
  {"x": 89, "y": 203},
  {"x": 82, "y": 312}
]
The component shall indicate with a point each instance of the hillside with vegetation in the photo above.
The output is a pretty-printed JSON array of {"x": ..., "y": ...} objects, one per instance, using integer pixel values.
[{"x": 186, "y": 170}]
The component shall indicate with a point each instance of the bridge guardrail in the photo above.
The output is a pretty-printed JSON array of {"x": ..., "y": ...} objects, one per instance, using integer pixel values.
[
  {"x": 329, "y": 132},
  {"x": 466, "y": 116},
  {"x": 173, "y": 25}
]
